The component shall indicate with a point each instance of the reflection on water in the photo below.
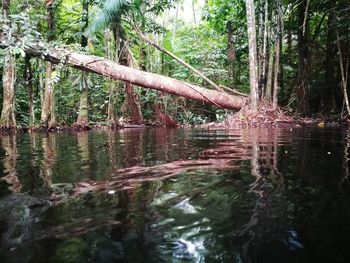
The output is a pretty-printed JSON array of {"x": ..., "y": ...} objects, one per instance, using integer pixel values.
[{"x": 158, "y": 195}]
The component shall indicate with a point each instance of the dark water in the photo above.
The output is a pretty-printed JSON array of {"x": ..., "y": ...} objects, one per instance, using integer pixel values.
[{"x": 156, "y": 195}]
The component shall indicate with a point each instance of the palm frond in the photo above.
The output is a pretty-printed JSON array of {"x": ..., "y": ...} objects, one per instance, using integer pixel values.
[{"x": 108, "y": 14}]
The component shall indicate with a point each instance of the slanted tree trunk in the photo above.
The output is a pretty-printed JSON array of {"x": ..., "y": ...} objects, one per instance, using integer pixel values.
[
  {"x": 83, "y": 114},
  {"x": 140, "y": 78},
  {"x": 253, "y": 60},
  {"x": 162, "y": 49},
  {"x": 8, "y": 118},
  {"x": 28, "y": 78}
]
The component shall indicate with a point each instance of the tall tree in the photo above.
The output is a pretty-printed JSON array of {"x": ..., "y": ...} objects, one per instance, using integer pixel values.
[
  {"x": 302, "y": 85},
  {"x": 48, "y": 117},
  {"x": 8, "y": 119},
  {"x": 253, "y": 59},
  {"x": 83, "y": 114}
]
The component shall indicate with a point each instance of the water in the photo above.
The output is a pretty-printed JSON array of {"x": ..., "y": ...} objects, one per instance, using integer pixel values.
[{"x": 178, "y": 195}]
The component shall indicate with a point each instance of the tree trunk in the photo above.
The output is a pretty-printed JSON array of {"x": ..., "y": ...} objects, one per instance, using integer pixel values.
[
  {"x": 28, "y": 78},
  {"x": 262, "y": 81},
  {"x": 140, "y": 78},
  {"x": 83, "y": 114},
  {"x": 133, "y": 99},
  {"x": 253, "y": 60},
  {"x": 46, "y": 105},
  {"x": 302, "y": 87},
  {"x": 268, "y": 93},
  {"x": 8, "y": 118},
  {"x": 344, "y": 75},
  {"x": 111, "y": 114},
  {"x": 197, "y": 72},
  {"x": 231, "y": 54},
  {"x": 46, "y": 108},
  {"x": 278, "y": 54}
]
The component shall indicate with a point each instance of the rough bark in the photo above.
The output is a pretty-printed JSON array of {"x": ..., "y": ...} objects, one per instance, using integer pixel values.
[
  {"x": 253, "y": 60},
  {"x": 111, "y": 114},
  {"x": 46, "y": 107},
  {"x": 8, "y": 119},
  {"x": 137, "y": 77},
  {"x": 133, "y": 99}
]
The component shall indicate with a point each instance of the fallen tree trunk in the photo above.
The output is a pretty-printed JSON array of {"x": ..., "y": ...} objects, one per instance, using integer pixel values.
[{"x": 137, "y": 77}]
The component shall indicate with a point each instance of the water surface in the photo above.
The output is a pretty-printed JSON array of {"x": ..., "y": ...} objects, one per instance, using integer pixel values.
[{"x": 176, "y": 195}]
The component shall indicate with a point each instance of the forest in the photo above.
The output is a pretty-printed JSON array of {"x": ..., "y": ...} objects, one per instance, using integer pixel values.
[{"x": 115, "y": 62}]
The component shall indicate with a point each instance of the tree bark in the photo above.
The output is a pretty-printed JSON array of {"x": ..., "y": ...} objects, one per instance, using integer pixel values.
[
  {"x": 302, "y": 88},
  {"x": 28, "y": 78},
  {"x": 253, "y": 60},
  {"x": 140, "y": 78},
  {"x": 46, "y": 113},
  {"x": 8, "y": 119},
  {"x": 231, "y": 54},
  {"x": 278, "y": 54},
  {"x": 133, "y": 100},
  {"x": 83, "y": 114},
  {"x": 46, "y": 105}
]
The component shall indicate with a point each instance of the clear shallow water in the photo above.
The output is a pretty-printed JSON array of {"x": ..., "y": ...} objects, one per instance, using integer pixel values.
[{"x": 157, "y": 195}]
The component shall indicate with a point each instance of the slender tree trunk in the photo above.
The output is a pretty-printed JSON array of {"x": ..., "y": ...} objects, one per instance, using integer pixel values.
[
  {"x": 111, "y": 114},
  {"x": 231, "y": 54},
  {"x": 262, "y": 81},
  {"x": 253, "y": 60},
  {"x": 83, "y": 114},
  {"x": 28, "y": 78},
  {"x": 197, "y": 72},
  {"x": 278, "y": 54},
  {"x": 344, "y": 75},
  {"x": 46, "y": 105},
  {"x": 268, "y": 93},
  {"x": 194, "y": 12},
  {"x": 302, "y": 88},
  {"x": 8, "y": 118}
]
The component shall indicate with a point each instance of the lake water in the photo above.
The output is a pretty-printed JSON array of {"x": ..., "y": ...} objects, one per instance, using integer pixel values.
[{"x": 176, "y": 195}]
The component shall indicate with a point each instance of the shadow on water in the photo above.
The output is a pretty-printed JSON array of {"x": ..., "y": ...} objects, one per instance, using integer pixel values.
[{"x": 157, "y": 195}]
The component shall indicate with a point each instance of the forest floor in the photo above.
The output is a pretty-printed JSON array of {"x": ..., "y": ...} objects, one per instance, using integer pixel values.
[{"x": 268, "y": 117}]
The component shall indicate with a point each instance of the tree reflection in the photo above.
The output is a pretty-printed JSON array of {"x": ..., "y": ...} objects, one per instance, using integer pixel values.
[{"x": 9, "y": 144}]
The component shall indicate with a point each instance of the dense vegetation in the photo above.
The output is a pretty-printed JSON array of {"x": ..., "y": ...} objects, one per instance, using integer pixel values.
[{"x": 292, "y": 53}]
